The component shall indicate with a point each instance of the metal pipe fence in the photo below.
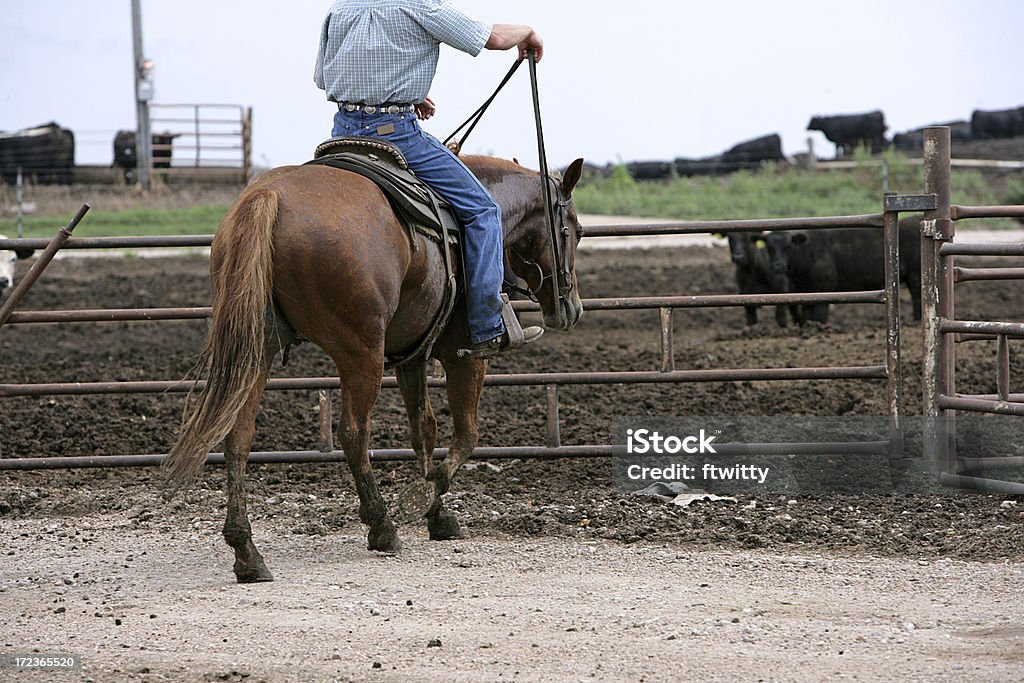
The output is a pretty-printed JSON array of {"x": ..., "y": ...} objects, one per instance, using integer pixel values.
[{"x": 887, "y": 371}]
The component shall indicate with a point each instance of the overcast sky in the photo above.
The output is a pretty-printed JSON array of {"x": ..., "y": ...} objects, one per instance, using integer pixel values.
[{"x": 621, "y": 81}]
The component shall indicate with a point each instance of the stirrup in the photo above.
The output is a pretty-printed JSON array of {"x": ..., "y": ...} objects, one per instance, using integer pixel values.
[
  {"x": 512, "y": 327},
  {"x": 512, "y": 338}
]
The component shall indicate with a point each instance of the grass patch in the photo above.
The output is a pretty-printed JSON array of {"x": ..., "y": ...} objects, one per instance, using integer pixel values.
[
  {"x": 196, "y": 220},
  {"x": 778, "y": 192}
]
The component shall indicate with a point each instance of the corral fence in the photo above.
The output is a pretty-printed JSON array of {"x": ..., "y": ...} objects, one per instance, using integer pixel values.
[
  {"x": 190, "y": 143},
  {"x": 888, "y": 370},
  {"x": 206, "y": 137}
]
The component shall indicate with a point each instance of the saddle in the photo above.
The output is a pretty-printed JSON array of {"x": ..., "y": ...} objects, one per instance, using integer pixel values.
[{"x": 417, "y": 207}]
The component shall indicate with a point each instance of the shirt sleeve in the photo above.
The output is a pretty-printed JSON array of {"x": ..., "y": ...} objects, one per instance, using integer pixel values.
[
  {"x": 321, "y": 53},
  {"x": 449, "y": 25}
]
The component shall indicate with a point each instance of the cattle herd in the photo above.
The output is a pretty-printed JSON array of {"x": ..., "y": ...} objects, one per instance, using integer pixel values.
[
  {"x": 834, "y": 260},
  {"x": 846, "y": 131},
  {"x": 46, "y": 153}
]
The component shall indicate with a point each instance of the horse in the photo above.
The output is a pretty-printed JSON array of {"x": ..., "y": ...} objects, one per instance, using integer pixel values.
[{"x": 315, "y": 253}]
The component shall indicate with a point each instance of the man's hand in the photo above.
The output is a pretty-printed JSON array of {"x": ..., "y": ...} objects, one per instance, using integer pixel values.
[
  {"x": 426, "y": 109},
  {"x": 532, "y": 43},
  {"x": 520, "y": 36}
]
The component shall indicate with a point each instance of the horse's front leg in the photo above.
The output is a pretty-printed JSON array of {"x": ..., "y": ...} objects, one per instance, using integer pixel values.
[{"x": 360, "y": 387}]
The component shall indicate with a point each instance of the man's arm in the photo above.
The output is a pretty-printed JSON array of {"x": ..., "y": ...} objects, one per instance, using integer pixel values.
[{"x": 507, "y": 36}]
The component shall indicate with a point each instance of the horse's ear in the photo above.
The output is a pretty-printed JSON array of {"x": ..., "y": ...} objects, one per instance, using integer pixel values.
[{"x": 572, "y": 176}]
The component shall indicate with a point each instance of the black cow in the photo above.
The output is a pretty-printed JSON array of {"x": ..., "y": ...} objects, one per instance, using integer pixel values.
[
  {"x": 753, "y": 153},
  {"x": 1007, "y": 123},
  {"x": 844, "y": 260},
  {"x": 687, "y": 168},
  {"x": 959, "y": 131},
  {"x": 754, "y": 274},
  {"x": 125, "y": 155},
  {"x": 849, "y": 131},
  {"x": 45, "y": 153},
  {"x": 650, "y": 170}
]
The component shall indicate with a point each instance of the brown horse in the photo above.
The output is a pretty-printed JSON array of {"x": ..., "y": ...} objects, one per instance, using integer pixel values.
[{"x": 316, "y": 253}]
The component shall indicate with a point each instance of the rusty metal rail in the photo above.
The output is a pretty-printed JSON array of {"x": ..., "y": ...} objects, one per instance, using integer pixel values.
[
  {"x": 401, "y": 454},
  {"x": 607, "y": 304},
  {"x": 856, "y": 372}
]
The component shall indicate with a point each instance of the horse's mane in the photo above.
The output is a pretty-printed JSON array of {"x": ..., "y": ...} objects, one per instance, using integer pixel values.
[{"x": 494, "y": 165}]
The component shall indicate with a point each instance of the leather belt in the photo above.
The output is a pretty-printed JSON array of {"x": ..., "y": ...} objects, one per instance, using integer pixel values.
[{"x": 375, "y": 108}]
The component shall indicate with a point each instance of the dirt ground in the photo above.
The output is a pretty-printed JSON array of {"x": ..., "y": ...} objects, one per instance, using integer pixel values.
[{"x": 561, "y": 577}]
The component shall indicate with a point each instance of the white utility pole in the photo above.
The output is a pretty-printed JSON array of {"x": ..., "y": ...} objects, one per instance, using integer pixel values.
[{"x": 143, "y": 94}]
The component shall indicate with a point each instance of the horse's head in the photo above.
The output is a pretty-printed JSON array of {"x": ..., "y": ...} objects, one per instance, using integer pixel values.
[{"x": 544, "y": 258}]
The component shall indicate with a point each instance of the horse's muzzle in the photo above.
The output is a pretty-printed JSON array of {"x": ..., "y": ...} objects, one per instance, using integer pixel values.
[{"x": 566, "y": 315}]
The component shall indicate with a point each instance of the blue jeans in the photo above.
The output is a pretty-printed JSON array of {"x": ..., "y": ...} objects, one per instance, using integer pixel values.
[{"x": 479, "y": 214}]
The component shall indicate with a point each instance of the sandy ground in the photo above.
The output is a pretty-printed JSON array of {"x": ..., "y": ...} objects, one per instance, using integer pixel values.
[
  {"x": 561, "y": 579},
  {"x": 159, "y": 603}
]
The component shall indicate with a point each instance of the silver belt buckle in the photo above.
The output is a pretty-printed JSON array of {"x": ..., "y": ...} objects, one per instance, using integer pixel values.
[
  {"x": 349, "y": 107},
  {"x": 395, "y": 109},
  {"x": 370, "y": 109}
]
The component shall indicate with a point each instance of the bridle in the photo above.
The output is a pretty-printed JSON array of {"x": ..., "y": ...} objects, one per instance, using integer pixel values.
[{"x": 557, "y": 214}]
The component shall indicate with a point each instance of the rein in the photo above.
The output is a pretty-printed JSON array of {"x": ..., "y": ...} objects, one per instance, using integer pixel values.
[
  {"x": 562, "y": 283},
  {"x": 475, "y": 117}
]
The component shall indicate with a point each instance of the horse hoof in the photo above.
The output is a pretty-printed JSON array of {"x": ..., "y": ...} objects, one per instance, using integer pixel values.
[
  {"x": 415, "y": 501},
  {"x": 444, "y": 526},
  {"x": 255, "y": 573},
  {"x": 384, "y": 540}
]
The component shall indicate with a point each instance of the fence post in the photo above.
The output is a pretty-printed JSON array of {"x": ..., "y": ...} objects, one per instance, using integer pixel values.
[
  {"x": 326, "y": 421},
  {"x": 21, "y": 207},
  {"x": 668, "y": 360},
  {"x": 894, "y": 376},
  {"x": 554, "y": 438},
  {"x": 937, "y": 302},
  {"x": 247, "y": 144}
]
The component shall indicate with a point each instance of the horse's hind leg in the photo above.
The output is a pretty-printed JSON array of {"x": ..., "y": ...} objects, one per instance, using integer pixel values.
[
  {"x": 249, "y": 566},
  {"x": 360, "y": 387},
  {"x": 465, "y": 383},
  {"x": 418, "y": 497}
]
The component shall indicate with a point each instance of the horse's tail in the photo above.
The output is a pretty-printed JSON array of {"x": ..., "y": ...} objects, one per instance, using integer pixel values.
[{"x": 232, "y": 361}]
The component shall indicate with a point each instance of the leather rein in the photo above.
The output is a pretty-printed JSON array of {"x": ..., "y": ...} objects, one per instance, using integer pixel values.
[{"x": 560, "y": 235}]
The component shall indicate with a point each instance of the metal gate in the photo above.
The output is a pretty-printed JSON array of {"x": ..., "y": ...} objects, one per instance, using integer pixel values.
[{"x": 943, "y": 331}]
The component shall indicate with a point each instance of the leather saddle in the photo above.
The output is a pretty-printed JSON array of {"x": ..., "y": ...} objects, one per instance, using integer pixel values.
[
  {"x": 417, "y": 207},
  {"x": 415, "y": 204}
]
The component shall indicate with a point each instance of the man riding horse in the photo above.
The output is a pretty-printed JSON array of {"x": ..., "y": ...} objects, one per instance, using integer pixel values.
[
  {"x": 319, "y": 253},
  {"x": 376, "y": 60}
]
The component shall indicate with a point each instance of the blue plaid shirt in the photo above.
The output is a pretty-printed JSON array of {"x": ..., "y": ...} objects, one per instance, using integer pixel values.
[{"x": 377, "y": 51}]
